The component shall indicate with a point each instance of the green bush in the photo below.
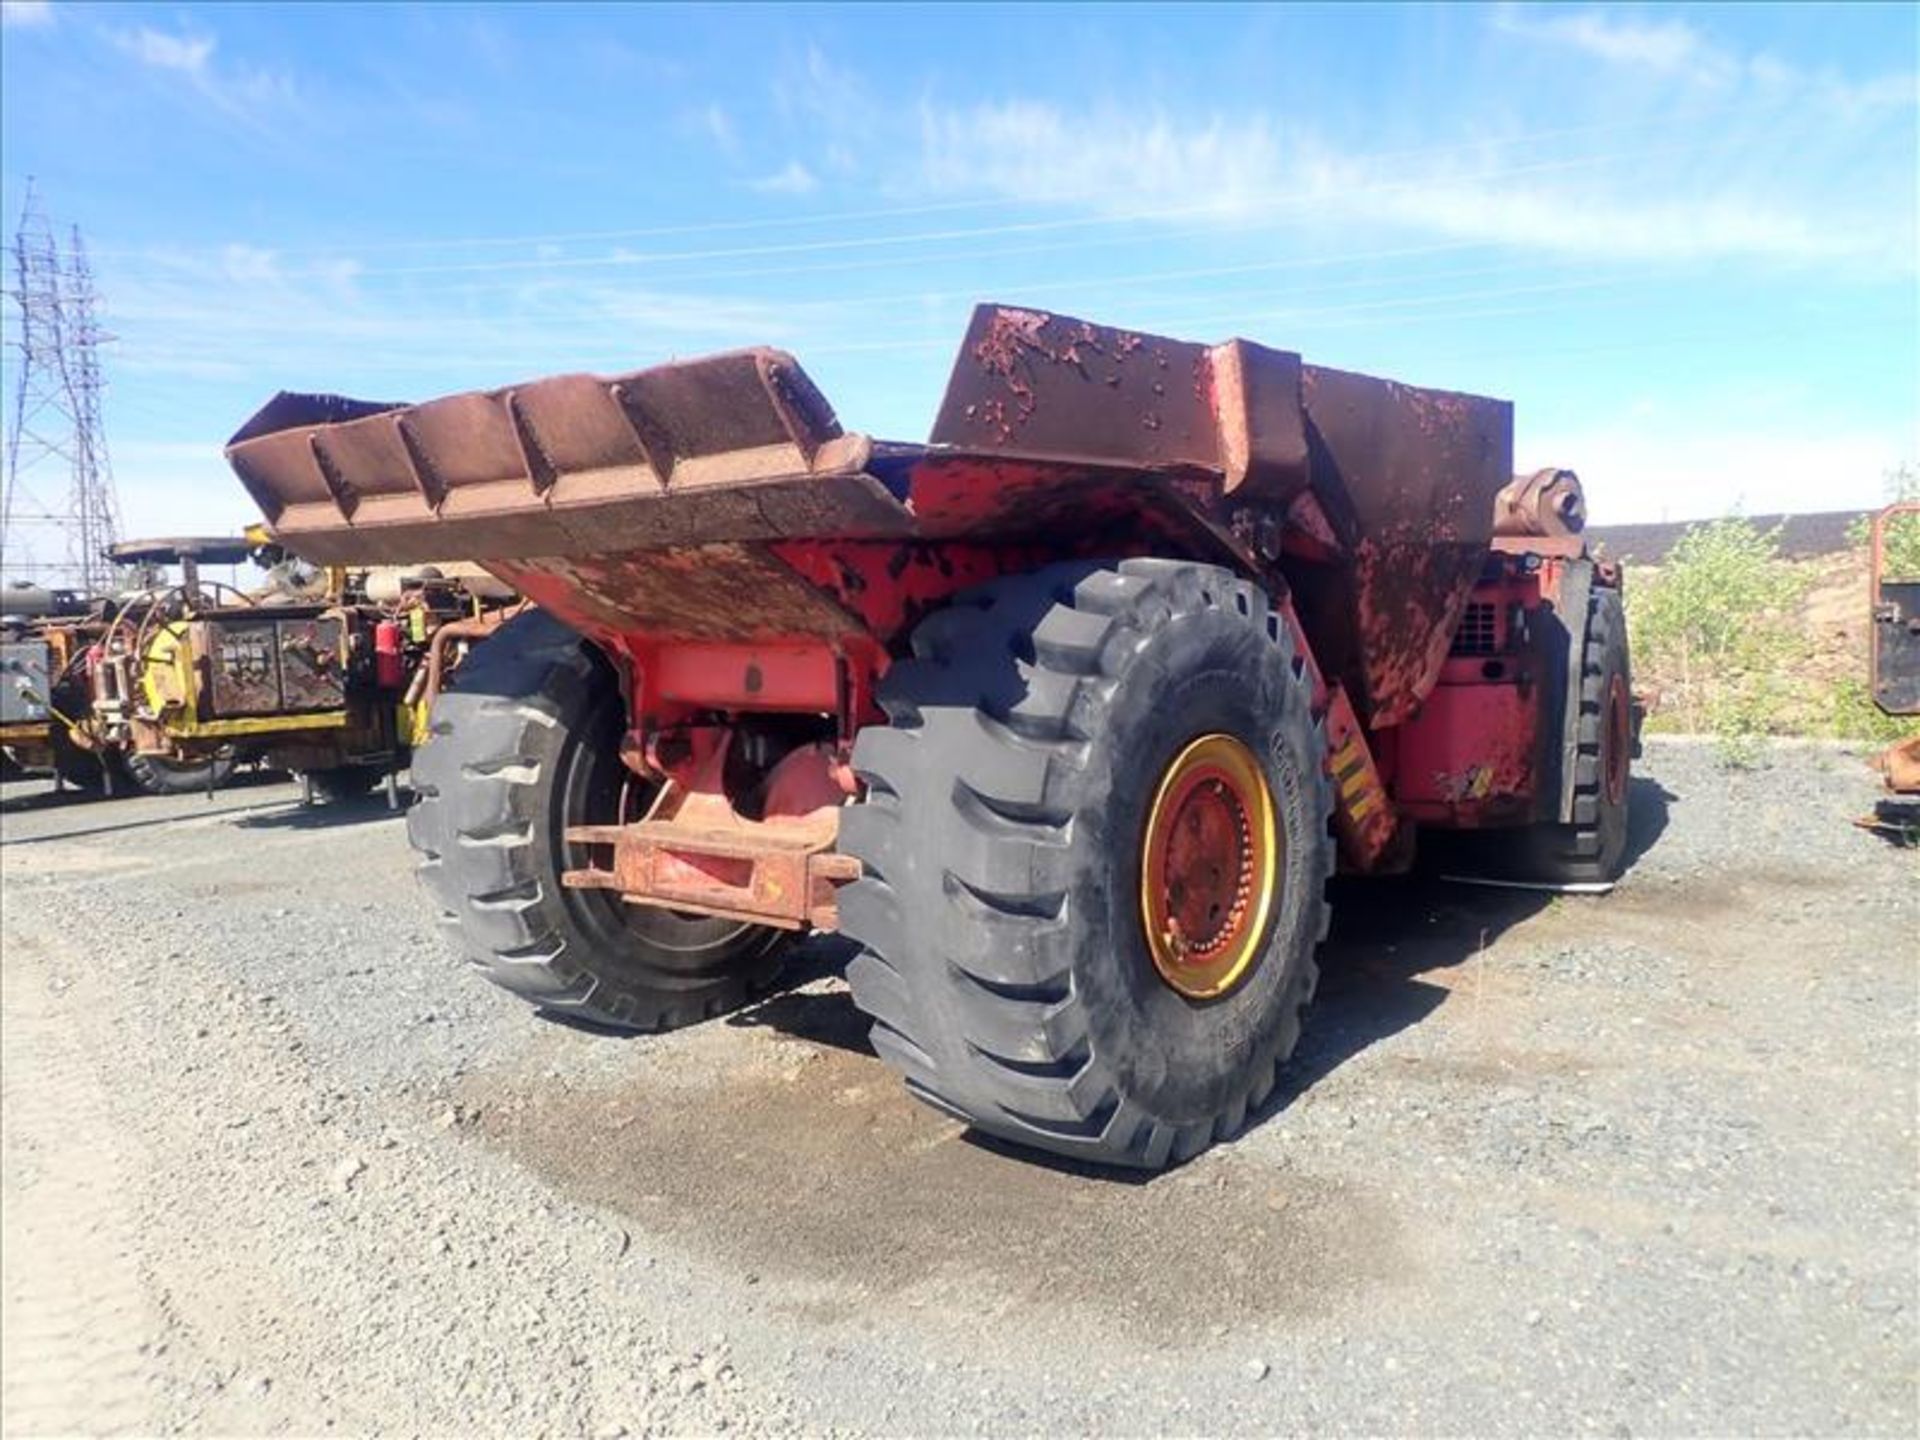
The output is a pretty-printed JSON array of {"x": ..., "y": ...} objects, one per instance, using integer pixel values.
[
  {"x": 1720, "y": 618},
  {"x": 1903, "y": 546},
  {"x": 1903, "y": 532},
  {"x": 1854, "y": 716}
]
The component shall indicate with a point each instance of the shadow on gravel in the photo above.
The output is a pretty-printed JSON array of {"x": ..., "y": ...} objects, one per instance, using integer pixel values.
[
  {"x": 826, "y": 1017},
  {"x": 805, "y": 1162},
  {"x": 329, "y": 814},
  {"x": 1896, "y": 821},
  {"x": 1386, "y": 934},
  {"x": 45, "y": 797},
  {"x": 829, "y": 1017},
  {"x": 186, "y": 809},
  {"x": 1647, "y": 805}
]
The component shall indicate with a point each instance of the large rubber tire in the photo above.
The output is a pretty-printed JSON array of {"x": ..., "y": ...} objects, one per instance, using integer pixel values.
[
  {"x": 524, "y": 743},
  {"x": 1593, "y": 848},
  {"x": 159, "y": 776},
  {"x": 338, "y": 783},
  {"x": 1005, "y": 962}
]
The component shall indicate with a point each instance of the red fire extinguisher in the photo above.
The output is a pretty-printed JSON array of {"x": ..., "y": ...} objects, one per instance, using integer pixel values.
[{"x": 389, "y": 662}]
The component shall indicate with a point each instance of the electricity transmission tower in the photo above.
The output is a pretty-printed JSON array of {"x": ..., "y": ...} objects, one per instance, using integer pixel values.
[{"x": 58, "y": 513}]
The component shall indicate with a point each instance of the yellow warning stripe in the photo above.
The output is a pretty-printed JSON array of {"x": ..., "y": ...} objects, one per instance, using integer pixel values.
[{"x": 1360, "y": 791}]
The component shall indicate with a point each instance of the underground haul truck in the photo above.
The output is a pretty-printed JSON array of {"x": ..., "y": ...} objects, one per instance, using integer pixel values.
[
  {"x": 165, "y": 686},
  {"x": 1066, "y": 717},
  {"x": 331, "y": 681}
]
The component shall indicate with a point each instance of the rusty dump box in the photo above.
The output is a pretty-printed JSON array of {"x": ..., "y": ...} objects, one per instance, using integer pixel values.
[{"x": 691, "y": 501}]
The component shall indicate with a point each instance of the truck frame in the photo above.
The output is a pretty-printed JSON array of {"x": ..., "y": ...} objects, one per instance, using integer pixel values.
[{"x": 1066, "y": 717}]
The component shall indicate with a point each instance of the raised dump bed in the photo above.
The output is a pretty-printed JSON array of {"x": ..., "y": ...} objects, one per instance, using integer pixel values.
[{"x": 1053, "y": 713}]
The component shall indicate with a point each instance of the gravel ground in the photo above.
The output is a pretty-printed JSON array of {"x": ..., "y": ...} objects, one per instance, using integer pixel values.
[{"x": 1636, "y": 1164}]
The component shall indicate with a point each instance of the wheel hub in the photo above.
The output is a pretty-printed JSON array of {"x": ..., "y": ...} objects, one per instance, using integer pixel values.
[{"x": 1210, "y": 857}]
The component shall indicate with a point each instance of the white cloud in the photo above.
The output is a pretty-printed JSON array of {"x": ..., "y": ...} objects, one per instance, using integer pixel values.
[
  {"x": 1251, "y": 168},
  {"x": 494, "y": 47},
  {"x": 188, "y": 54},
  {"x": 1034, "y": 150},
  {"x": 1675, "y": 49},
  {"x": 243, "y": 91},
  {"x": 247, "y": 311},
  {"x": 716, "y": 124},
  {"x": 1587, "y": 220},
  {"x": 819, "y": 89},
  {"x": 847, "y": 122},
  {"x": 246, "y": 263},
  {"x": 25, "y": 14},
  {"x": 793, "y": 178},
  {"x": 1667, "y": 45}
]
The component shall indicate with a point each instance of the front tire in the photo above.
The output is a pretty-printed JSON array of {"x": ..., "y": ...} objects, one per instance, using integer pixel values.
[
  {"x": 523, "y": 744},
  {"x": 1011, "y": 867},
  {"x": 1593, "y": 848}
]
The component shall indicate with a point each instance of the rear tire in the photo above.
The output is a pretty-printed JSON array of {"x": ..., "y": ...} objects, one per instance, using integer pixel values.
[
  {"x": 524, "y": 743},
  {"x": 1003, "y": 837},
  {"x": 157, "y": 775},
  {"x": 1593, "y": 848}
]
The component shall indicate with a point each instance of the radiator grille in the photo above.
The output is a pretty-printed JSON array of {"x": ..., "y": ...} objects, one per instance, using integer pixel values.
[{"x": 1477, "y": 633}]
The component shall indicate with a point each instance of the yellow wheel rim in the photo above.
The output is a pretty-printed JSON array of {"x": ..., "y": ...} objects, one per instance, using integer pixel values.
[{"x": 1209, "y": 861}]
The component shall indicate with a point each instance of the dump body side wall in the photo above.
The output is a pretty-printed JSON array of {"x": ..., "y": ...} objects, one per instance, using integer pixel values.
[{"x": 1402, "y": 479}]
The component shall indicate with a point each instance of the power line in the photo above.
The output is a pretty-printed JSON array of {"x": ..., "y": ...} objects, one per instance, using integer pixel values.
[
  {"x": 1402, "y": 310},
  {"x": 57, "y": 432},
  {"x": 1479, "y": 144},
  {"x": 1215, "y": 208},
  {"x": 1245, "y": 214},
  {"x": 610, "y": 310}
]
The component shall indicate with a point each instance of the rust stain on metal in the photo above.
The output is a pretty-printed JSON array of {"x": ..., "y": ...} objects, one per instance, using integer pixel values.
[
  {"x": 1033, "y": 382},
  {"x": 695, "y": 851},
  {"x": 706, "y": 592},
  {"x": 1009, "y": 335},
  {"x": 1013, "y": 341},
  {"x": 261, "y": 665}
]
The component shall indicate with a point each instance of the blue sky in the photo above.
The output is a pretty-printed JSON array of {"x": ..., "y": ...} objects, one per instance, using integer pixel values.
[{"x": 1682, "y": 240}]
